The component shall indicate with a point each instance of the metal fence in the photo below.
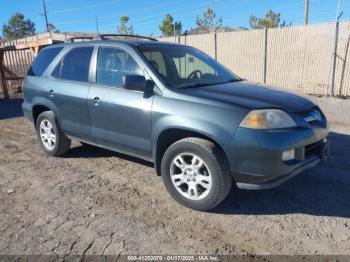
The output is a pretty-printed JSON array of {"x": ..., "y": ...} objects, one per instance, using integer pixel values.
[{"x": 297, "y": 58}]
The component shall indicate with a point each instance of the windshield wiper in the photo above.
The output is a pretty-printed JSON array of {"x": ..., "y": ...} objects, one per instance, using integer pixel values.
[
  {"x": 233, "y": 80},
  {"x": 198, "y": 85},
  {"x": 194, "y": 85}
]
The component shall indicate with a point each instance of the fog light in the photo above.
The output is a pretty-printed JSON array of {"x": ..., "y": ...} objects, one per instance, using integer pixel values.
[{"x": 288, "y": 155}]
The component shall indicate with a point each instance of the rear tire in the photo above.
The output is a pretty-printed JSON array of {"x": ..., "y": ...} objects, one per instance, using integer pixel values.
[
  {"x": 196, "y": 174},
  {"x": 51, "y": 138}
]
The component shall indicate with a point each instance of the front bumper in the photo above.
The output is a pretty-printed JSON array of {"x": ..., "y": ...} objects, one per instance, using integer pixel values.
[
  {"x": 275, "y": 182},
  {"x": 255, "y": 156}
]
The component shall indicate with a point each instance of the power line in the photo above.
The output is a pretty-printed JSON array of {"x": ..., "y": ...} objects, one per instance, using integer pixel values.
[
  {"x": 112, "y": 16},
  {"x": 289, "y": 5},
  {"x": 185, "y": 8},
  {"x": 83, "y": 7},
  {"x": 221, "y": 4},
  {"x": 194, "y": 9},
  {"x": 178, "y": 13},
  {"x": 324, "y": 14},
  {"x": 182, "y": 14}
]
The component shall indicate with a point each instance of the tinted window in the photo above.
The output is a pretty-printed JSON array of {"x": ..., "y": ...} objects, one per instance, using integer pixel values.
[
  {"x": 113, "y": 64},
  {"x": 42, "y": 61},
  {"x": 186, "y": 67},
  {"x": 75, "y": 65},
  {"x": 157, "y": 61}
]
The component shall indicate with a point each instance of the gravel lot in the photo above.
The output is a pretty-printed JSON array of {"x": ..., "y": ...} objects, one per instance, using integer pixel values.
[{"x": 93, "y": 201}]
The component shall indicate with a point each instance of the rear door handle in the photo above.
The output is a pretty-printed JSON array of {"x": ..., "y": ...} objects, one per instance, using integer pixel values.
[
  {"x": 51, "y": 93},
  {"x": 96, "y": 101}
]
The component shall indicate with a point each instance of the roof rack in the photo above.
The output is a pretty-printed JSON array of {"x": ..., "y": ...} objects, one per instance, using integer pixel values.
[
  {"x": 105, "y": 36},
  {"x": 72, "y": 39}
]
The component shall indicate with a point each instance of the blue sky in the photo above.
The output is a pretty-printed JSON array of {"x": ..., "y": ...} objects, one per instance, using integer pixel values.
[{"x": 79, "y": 15}]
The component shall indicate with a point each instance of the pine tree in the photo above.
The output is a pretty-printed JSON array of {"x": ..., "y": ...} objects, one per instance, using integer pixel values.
[{"x": 18, "y": 27}]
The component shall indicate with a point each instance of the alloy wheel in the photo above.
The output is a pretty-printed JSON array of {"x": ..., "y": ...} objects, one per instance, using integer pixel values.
[
  {"x": 47, "y": 134},
  {"x": 191, "y": 176}
]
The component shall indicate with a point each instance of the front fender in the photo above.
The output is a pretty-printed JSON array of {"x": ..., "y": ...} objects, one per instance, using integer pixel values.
[
  {"x": 219, "y": 135},
  {"x": 216, "y": 121},
  {"x": 205, "y": 128}
]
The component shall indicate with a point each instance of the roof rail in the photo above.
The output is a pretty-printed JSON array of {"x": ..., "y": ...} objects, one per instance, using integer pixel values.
[
  {"x": 72, "y": 39},
  {"x": 105, "y": 36}
]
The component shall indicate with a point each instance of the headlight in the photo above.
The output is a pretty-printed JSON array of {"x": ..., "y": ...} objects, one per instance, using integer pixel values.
[{"x": 267, "y": 119}]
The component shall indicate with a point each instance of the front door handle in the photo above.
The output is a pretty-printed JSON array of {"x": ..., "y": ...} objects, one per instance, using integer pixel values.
[
  {"x": 96, "y": 101},
  {"x": 51, "y": 93}
]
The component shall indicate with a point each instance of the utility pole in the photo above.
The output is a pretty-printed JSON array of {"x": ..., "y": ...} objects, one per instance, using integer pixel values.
[
  {"x": 306, "y": 16},
  {"x": 45, "y": 14},
  {"x": 174, "y": 31}
]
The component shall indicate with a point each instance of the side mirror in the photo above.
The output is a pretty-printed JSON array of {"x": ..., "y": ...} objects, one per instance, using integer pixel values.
[{"x": 134, "y": 82}]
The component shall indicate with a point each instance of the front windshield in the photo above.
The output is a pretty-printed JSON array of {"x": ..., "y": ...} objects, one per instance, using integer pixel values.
[{"x": 186, "y": 67}]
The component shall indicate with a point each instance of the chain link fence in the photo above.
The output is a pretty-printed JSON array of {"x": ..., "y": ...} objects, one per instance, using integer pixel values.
[{"x": 298, "y": 58}]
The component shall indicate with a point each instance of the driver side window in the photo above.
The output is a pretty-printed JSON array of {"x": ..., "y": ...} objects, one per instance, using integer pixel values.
[
  {"x": 113, "y": 64},
  {"x": 157, "y": 61}
]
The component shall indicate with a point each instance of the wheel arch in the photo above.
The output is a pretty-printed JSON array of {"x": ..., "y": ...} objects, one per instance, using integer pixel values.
[
  {"x": 37, "y": 110},
  {"x": 42, "y": 105},
  {"x": 169, "y": 136}
]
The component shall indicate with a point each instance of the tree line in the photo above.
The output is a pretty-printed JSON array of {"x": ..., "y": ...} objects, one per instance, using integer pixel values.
[{"x": 18, "y": 26}]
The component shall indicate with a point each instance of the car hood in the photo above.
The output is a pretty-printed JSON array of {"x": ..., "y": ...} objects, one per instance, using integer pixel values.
[{"x": 251, "y": 95}]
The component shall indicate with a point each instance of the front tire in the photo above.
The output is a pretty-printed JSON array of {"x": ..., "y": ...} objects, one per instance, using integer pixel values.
[
  {"x": 195, "y": 173},
  {"x": 51, "y": 138}
]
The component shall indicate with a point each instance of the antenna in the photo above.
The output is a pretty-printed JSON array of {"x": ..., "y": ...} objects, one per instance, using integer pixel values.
[{"x": 97, "y": 25}]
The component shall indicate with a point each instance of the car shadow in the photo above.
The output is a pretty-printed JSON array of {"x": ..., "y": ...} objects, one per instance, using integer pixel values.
[
  {"x": 321, "y": 191},
  {"x": 10, "y": 108}
]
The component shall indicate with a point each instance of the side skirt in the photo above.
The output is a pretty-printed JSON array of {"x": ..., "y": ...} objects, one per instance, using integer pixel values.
[{"x": 148, "y": 159}]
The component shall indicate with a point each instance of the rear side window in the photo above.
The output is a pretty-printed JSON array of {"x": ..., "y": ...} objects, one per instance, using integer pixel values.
[
  {"x": 42, "y": 61},
  {"x": 75, "y": 65}
]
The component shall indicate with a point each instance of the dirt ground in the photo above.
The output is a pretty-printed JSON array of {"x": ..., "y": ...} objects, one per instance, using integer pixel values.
[{"x": 93, "y": 201}]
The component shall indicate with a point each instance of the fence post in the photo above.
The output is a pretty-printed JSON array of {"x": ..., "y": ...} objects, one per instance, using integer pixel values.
[
  {"x": 330, "y": 89},
  {"x": 215, "y": 46},
  {"x": 2, "y": 76},
  {"x": 265, "y": 56},
  {"x": 344, "y": 65}
]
